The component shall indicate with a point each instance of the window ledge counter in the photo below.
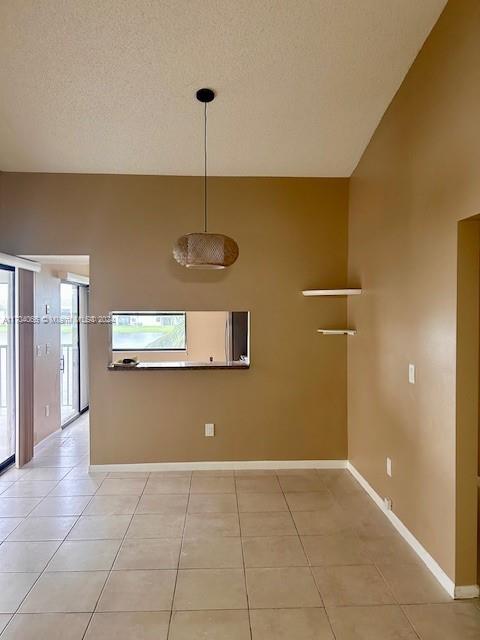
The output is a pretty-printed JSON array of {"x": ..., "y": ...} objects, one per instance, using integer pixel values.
[{"x": 168, "y": 366}]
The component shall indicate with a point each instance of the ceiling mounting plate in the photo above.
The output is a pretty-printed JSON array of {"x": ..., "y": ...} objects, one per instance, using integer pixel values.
[{"x": 205, "y": 95}]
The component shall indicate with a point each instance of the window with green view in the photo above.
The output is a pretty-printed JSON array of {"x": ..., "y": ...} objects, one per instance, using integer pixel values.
[{"x": 159, "y": 331}]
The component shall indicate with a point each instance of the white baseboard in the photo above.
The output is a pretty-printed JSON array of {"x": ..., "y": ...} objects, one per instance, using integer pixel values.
[
  {"x": 467, "y": 592},
  {"x": 221, "y": 465},
  {"x": 458, "y": 592}
]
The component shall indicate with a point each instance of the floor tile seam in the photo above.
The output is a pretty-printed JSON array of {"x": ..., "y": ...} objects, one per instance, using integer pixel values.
[
  {"x": 310, "y": 569},
  {"x": 40, "y": 573},
  {"x": 243, "y": 562},
  {"x": 109, "y": 573},
  {"x": 179, "y": 555}
]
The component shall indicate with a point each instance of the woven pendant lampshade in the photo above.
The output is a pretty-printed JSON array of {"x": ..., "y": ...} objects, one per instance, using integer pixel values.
[{"x": 205, "y": 250}]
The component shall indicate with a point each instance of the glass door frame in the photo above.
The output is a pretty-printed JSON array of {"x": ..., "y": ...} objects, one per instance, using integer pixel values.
[
  {"x": 13, "y": 364},
  {"x": 83, "y": 361},
  {"x": 78, "y": 376},
  {"x": 74, "y": 416}
]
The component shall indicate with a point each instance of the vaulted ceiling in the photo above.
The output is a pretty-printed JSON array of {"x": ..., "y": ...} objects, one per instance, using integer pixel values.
[{"x": 107, "y": 86}]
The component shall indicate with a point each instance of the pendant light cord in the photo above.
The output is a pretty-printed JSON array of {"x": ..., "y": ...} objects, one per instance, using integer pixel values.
[{"x": 205, "y": 188}]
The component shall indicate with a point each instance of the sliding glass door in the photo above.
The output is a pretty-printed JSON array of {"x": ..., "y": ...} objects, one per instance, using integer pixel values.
[
  {"x": 7, "y": 366},
  {"x": 69, "y": 357}
]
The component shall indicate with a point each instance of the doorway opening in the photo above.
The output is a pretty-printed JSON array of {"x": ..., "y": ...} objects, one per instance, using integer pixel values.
[
  {"x": 7, "y": 367},
  {"x": 61, "y": 380},
  {"x": 74, "y": 352}
]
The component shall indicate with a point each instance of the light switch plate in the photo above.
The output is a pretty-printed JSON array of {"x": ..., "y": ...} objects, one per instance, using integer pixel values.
[
  {"x": 209, "y": 430},
  {"x": 411, "y": 373},
  {"x": 389, "y": 467}
]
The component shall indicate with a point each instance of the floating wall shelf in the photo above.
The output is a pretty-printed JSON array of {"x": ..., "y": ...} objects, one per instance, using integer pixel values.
[
  {"x": 337, "y": 332},
  {"x": 332, "y": 292}
]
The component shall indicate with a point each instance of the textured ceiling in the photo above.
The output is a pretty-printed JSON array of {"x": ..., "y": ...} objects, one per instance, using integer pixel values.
[{"x": 107, "y": 86}]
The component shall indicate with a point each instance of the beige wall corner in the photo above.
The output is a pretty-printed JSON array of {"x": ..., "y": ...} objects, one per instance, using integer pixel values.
[{"x": 416, "y": 180}]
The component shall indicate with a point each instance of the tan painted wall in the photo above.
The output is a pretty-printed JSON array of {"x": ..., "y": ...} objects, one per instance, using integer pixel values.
[
  {"x": 205, "y": 339},
  {"x": 417, "y": 179},
  {"x": 292, "y": 233}
]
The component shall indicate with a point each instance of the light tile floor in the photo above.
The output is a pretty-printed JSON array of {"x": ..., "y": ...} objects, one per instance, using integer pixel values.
[{"x": 287, "y": 555}]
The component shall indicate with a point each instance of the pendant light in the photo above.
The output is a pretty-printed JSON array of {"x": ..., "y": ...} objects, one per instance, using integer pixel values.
[{"x": 204, "y": 250}]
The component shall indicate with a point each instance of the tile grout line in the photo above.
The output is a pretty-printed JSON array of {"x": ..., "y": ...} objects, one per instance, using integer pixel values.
[
  {"x": 179, "y": 557},
  {"x": 336, "y": 502},
  {"x": 330, "y": 624},
  {"x": 110, "y": 571},
  {"x": 243, "y": 558},
  {"x": 40, "y": 498},
  {"x": 397, "y": 602},
  {"x": 306, "y": 555},
  {"x": 33, "y": 572},
  {"x": 374, "y": 564},
  {"x": 417, "y": 633}
]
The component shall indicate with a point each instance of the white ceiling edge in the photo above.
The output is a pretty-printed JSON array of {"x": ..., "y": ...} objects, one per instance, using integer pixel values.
[
  {"x": 19, "y": 262},
  {"x": 73, "y": 278},
  {"x": 58, "y": 259}
]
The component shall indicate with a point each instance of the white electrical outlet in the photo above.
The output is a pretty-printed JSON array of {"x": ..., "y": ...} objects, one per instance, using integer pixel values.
[
  {"x": 411, "y": 373},
  {"x": 47, "y": 410},
  {"x": 389, "y": 467},
  {"x": 48, "y": 349},
  {"x": 39, "y": 350},
  {"x": 209, "y": 430}
]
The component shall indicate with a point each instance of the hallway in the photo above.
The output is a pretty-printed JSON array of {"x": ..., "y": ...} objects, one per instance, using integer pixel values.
[{"x": 217, "y": 555}]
